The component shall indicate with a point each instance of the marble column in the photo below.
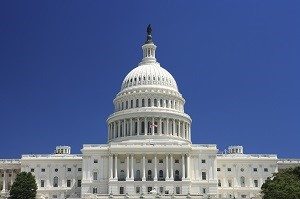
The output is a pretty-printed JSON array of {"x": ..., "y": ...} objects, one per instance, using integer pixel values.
[
  {"x": 155, "y": 167},
  {"x": 167, "y": 166},
  {"x": 116, "y": 167},
  {"x": 183, "y": 166},
  {"x": 127, "y": 171},
  {"x": 132, "y": 170},
  {"x": 4, "y": 181},
  {"x": 144, "y": 169},
  {"x": 172, "y": 163},
  {"x": 111, "y": 166}
]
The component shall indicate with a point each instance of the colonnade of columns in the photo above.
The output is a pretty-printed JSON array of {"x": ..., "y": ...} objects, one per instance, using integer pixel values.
[
  {"x": 133, "y": 173},
  {"x": 7, "y": 173},
  {"x": 149, "y": 126}
]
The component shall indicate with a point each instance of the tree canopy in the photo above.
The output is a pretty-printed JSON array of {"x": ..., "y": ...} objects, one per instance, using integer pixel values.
[
  {"x": 24, "y": 187},
  {"x": 284, "y": 184}
]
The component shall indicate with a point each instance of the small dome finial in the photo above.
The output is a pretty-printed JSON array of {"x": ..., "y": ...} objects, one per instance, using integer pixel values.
[{"x": 149, "y": 36}]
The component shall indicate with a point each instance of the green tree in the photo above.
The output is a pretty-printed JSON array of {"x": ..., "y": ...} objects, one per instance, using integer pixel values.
[
  {"x": 24, "y": 187},
  {"x": 283, "y": 185}
]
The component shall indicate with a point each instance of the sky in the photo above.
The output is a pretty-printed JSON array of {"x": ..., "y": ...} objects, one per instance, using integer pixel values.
[{"x": 236, "y": 63}]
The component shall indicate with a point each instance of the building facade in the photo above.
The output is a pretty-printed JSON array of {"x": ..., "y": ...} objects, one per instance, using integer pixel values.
[{"x": 149, "y": 152}]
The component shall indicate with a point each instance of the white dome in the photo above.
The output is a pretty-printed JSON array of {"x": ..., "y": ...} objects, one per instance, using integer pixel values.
[{"x": 149, "y": 74}]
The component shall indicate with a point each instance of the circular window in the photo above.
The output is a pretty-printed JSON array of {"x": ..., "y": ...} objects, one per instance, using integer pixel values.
[
  {"x": 242, "y": 169},
  {"x": 56, "y": 170}
]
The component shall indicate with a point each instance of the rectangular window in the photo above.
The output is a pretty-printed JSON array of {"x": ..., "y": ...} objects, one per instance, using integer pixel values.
[
  {"x": 229, "y": 183},
  {"x": 149, "y": 161},
  {"x": 203, "y": 190},
  {"x": 79, "y": 169},
  {"x": 161, "y": 190},
  {"x": 78, "y": 183},
  {"x": 203, "y": 175},
  {"x": 121, "y": 190},
  {"x": 254, "y": 169},
  {"x": 43, "y": 170},
  {"x": 94, "y": 190},
  {"x": 255, "y": 183},
  {"x": 137, "y": 189},
  {"x": 218, "y": 169},
  {"x": 54, "y": 196},
  {"x": 69, "y": 169},
  {"x": 95, "y": 176},
  {"x": 42, "y": 183},
  {"x": 177, "y": 190},
  {"x": 176, "y": 160},
  {"x": 68, "y": 183},
  {"x": 219, "y": 183},
  {"x": 228, "y": 169},
  {"x": 161, "y": 161},
  {"x": 203, "y": 161},
  {"x": 95, "y": 161},
  {"x": 266, "y": 170},
  {"x": 31, "y": 170}
]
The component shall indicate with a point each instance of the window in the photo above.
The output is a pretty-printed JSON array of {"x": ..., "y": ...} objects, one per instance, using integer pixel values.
[
  {"x": 203, "y": 161},
  {"x": 149, "y": 174},
  {"x": 244, "y": 196},
  {"x": 56, "y": 170},
  {"x": 218, "y": 169},
  {"x": 94, "y": 190},
  {"x": 131, "y": 104},
  {"x": 55, "y": 181},
  {"x": 122, "y": 161},
  {"x": 176, "y": 175},
  {"x": 54, "y": 196},
  {"x": 255, "y": 183},
  {"x": 229, "y": 183},
  {"x": 43, "y": 170},
  {"x": 254, "y": 169},
  {"x": 203, "y": 190},
  {"x": 137, "y": 103},
  {"x": 203, "y": 175},
  {"x": 242, "y": 181},
  {"x": 219, "y": 183},
  {"x": 160, "y": 174},
  {"x": 149, "y": 102},
  {"x": 95, "y": 161},
  {"x": 176, "y": 160},
  {"x": 138, "y": 174},
  {"x": 242, "y": 169},
  {"x": 161, "y": 190},
  {"x": 177, "y": 190},
  {"x": 228, "y": 169},
  {"x": 69, "y": 169},
  {"x": 149, "y": 161},
  {"x": 143, "y": 102},
  {"x": 79, "y": 169},
  {"x": 160, "y": 161},
  {"x": 31, "y": 170},
  {"x": 95, "y": 176},
  {"x": 68, "y": 183},
  {"x": 266, "y": 170},
  {"x": 137, "y": 190},
  {"x": 42, "y": 183},
  {"x": 78, "y": 183},
  {"x": 155, "y": 102},
  {"x": 121, "y": 190}
]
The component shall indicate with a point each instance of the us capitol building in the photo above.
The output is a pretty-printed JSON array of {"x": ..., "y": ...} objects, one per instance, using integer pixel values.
[{"x": 149, "y": 152}]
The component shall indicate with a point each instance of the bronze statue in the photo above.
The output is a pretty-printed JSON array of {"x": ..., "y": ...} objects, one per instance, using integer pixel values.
[{"x": 149, "y": 29}]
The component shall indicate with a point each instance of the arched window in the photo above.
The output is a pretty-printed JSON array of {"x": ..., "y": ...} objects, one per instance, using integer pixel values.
[
  {"x": 176, "y": 175},
  {"x": 137, "y": 103},
  {"x": 122, "y": 175},
  {"x": 149, "y": 174},
  {"x": 143, "y": 102},
  {"x": 161, "y": 174},
  {"x": 126, "y": 104},
  {"x": 131, "y": 104},
  {"x": 143, "y": 128},
  {"x": 161, "y": 102},
  {"x": 149, "y": 102},
  {"x": 55, "y": 181},
  {"x": 155, "y": 102}
]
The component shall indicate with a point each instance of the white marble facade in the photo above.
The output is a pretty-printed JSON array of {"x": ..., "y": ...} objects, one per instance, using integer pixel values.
[{"x": 149, "y": 152}]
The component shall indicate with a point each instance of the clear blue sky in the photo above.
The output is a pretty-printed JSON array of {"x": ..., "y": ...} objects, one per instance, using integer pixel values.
[{"x": 236, "y": 63}]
